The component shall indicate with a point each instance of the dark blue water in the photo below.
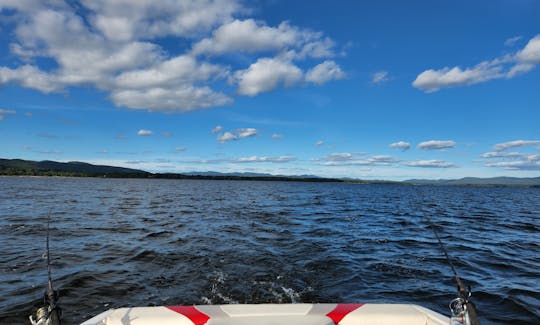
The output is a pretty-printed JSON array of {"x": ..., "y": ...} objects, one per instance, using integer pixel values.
[{"x": 162, "y": 242}]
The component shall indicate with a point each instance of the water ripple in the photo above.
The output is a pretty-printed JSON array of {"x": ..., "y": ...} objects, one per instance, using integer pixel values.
[{"x": 130, "y": 242}]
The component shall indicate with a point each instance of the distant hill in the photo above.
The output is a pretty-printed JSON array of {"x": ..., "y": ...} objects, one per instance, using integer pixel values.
[
  {"x": 19, "y": 167},
  {"x": 72, "y": 168},
  {"x": 476, "y": 181}
]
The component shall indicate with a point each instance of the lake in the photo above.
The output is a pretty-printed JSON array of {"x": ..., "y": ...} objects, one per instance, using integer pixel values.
[{"x": 141, "y": 242}]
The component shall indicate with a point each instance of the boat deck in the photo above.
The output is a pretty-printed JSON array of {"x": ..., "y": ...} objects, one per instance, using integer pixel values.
[{"x": 273, "y": 314}]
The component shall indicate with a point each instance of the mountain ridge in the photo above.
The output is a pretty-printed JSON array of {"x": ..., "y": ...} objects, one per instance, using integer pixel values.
[{"x": 21, "y": 167}]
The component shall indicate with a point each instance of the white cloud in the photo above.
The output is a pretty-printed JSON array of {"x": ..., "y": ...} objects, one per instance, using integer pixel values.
[
  {"x": 498, "y": 154},
  {"x": 30, "y": 77},
  {"x": 400, "y": 145},
  {"x": 144, "y": 133},
  {"x": 531, "y": 52},
  {"x": 319, "y": 143},
  {"x": 252, "y": 37},
  {"x": 277, "y": 136},
  {"x": 324, "y": 72},
  {"x": 180, "y": 70},
  {"x": 339, "y": 156},
  {"x": 180, "y": 149},
  {"x": 217, "y": 129},
  {"x": 512, "y": 40},
  {"x": 249, "y": 36},
  {"x": 246, "y": 133},
  {"x": 513, "y": 160},
  {"x": 227, "y": 136},
  {"x": 429, "y": 164},
  {"x": 125, "y": 20},
  {"x": 436, "y": 144},
  {"x": 254, "y": 159},
  {"x": 433, "y": 80},
  {"x": 383, "y": 160},
  {"x": 267, "y": 74},
  {"x": 379, "y": 77},
  {"x": 4, "y": 112},
  {"x": 528, "y": 162},
  {"x": 514, "y": 144},
  {"x": 187, "y": 98},
  {"x": 348, "y": 159},
  {"x": 236, "y": 134},
  {"x": 508, "y": 66},
  {"x": 115, "y": 46},
  {"x": 519, "y": 69}
]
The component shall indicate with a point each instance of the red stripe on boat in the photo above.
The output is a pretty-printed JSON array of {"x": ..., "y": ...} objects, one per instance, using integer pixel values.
[
  {"x": 194, "y": 315},
  {"x": 342, "y": 310}
]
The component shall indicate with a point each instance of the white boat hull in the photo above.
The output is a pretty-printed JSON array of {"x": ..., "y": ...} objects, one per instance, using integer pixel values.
[{"x": 273, "y": 314}]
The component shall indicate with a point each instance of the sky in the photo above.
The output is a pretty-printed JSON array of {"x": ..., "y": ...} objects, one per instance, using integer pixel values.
[{"x": 389, "y": 90}]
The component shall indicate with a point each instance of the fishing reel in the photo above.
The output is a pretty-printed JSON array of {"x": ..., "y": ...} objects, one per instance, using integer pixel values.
[
  {"x": 50, "y": 314},
  {"x": 41, "y": 317},
  {"x": 463, "y": 312}
]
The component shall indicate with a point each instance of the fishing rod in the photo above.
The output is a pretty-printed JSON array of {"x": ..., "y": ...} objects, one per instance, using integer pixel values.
[
  {"x": 462, "y": 308},
  {"x": 50, "y": 313}
]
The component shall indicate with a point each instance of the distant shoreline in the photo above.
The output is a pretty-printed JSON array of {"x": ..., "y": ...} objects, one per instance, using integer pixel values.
[{"x": 43, "y": 169}]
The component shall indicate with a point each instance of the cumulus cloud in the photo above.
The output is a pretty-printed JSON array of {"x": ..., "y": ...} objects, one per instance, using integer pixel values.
[
  {"x": 433, "y": 80},
  {"x": 400, "y": 145},
  {"x": 248, "y": 36},
  {"x": 246, "y": 133},
  {"x": 515, "y": 144},
  {"x": 498, "y": 154},
  {"x": 379, "y": 77},
  {"x": 225, "y": 137},
  {"x": 186, "y": 98},
  {"x": 252, "y": 37},
  {"x": 524, "y": 162},
  {"x": 30, "y": 77},
  {"x": 4, "y": 112},
  {"x": 429, "y": 164},
  {"x": 531, "y": 52},
  {"x": 217, "y": 129},
  {"x": 512, "y": 160},
  {"x": 179, "y": 69},
  {"x": 508, "y": 66},
  {"x": 338, "y": 156},
  {"x": 436, "y": 144},
  {"x": 128, "y": 20},
  {"x": 236, "y": 134},
  {"x": 256, "y": 159},
  {"x": 324, "y": 72},
  {"x": 144, "y": 133},
  {"x": 349, "y": 159},
  {"x": 267, "y": 74},
  {"x": 115, "y": 47},
  {"x": 383, "y": 160}
]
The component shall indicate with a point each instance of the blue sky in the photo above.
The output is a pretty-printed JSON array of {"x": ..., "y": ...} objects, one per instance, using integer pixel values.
[{"x": 373, "y": 90}]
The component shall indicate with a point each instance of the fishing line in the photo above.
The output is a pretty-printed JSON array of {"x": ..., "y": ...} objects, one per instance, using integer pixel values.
[
  {"x": 462, "y": 308},
  {"x": 50, "y": 313}
]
